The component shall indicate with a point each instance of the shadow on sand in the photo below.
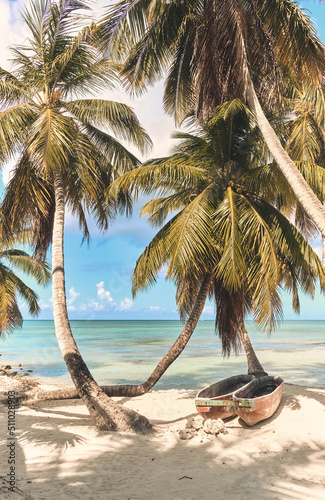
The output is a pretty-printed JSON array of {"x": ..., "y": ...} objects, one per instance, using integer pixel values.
[{"x": 61, "y": 455}]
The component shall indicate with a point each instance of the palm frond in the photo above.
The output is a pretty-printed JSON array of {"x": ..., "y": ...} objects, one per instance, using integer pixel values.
[
  {"x": 38, "y": 270},
  {"x": 11, "y": 287},
  {"x": 158, "y": 209},
  {"x": 179, "y": 94},
  {"x": 14, "y": 123},
  {"x": 119, "y": 157},
  {"x": 151, "y": 260},
  {"x": 12, "y": 90},
  {"x": 232, "y": 265},
  {"x": 115, "y": 116},
  {"x": 162, "y": 176},
  {"x": 189, "y": 238},
  {"x": 51, "y": 140},
  {"x": 302, "y": 51},
  {"x": 123, "y": 25}
]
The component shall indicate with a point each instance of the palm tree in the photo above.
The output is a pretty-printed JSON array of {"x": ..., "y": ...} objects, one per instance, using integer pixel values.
[
  {"x": 219, "y": 50},
  {"x": 226, "y": 238},
  {"x": 227, "y": 226},
  {"x": 64, "y": 158},
  {"x": 11, "y": 285}
]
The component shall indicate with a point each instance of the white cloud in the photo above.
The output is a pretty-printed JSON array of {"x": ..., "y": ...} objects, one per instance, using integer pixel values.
[
  {"x": 125, "y": 304},
  {"x": 104, "y": 294},
  {"x": 73, "y": 296},
  {"x": 208, "y": 310},
  {"x": 45, "y": 305},
  {"x": 92, "y": 306},
  {"x": 156, "y": 308},
  {"x": 12, "y": 31}
]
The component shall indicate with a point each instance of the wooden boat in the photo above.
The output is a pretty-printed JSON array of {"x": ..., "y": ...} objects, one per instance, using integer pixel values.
[
  {"x": 265, "y": 394},
  {"x": 216, "y": 401}
]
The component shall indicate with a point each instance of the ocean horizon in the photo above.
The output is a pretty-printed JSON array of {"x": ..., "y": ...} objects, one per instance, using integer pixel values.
[{"x": 127, "y": 351}]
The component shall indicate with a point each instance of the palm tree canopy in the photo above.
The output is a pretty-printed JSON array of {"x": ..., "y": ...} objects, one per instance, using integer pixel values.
[
  {"x": 169, "y": 39},
  {"x": 48, "y": 120},
  {"x": 225, "y": 218},
  {"x": 12, "y": 288}
]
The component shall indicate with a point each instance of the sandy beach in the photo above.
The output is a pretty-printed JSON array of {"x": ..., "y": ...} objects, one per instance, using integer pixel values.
[{"x": 60, "y": 454}]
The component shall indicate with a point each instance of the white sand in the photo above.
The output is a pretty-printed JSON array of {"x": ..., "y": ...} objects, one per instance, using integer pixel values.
[{"x": 60, "y": 454}]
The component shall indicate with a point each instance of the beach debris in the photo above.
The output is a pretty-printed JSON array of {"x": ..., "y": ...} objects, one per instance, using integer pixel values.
[
  {"x": 185, "y": 434},
  {"x": 6, "y": 367},
  {"x": 184, "y": 477},
  {"x": 196, "y": 426},
  {"x": 215, "y": 427},
  {"x": 196, "y": 422}
]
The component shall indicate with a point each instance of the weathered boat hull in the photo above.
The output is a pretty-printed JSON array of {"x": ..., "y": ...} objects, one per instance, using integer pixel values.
[
  {"x": 218, "y": 393},
  {"x": 263, "y": 406}
]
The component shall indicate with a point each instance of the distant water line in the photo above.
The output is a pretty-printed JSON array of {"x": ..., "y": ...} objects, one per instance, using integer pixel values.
[{"x": 120, "y": 352}]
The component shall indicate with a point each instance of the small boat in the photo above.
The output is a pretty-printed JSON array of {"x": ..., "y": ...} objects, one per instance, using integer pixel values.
[
  {"x": 265, "y": 394},
  {"x": 216, "y": 401}
]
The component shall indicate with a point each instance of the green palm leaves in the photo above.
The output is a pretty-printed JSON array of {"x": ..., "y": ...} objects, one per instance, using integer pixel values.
[
  {"x": 225, "y": 221},
  {"x": 12, "y": 288},
  {"x": 203, "y": 47},
  {"x": 50, "y": 128},
  {"x": 214, "y": 51},
  {"x": 47, "y": 127}
]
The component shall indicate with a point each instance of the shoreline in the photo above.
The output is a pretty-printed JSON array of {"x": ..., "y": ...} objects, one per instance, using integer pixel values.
[
  {"x": 29, "y": 378},
  {"x": 28, "y": 381},
  {"x": 118, "y": 353},
  {"x": 59, "y": 449}
]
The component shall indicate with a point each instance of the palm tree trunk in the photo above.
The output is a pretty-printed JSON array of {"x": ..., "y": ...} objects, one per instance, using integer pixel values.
[
  {"x": 300, "y": 187},
  {"x": 254, "y": 366},
  {"x": 323, "y": 244},
  {"x": 302, "y": 190},
  {"x": 107, "y": 414},
  {"x": 137, "y": 390}
]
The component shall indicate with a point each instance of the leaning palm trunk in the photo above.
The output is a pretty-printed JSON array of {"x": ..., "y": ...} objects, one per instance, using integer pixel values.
[
  {"x": 309, "y": 201},
  {"x": 323, "y": 244},
  {"x": 137, "y": 390},
  {"x": 107, "y": 414},
  {"x": 254, "y": 366},
  {"x": 302, "y": 190}
]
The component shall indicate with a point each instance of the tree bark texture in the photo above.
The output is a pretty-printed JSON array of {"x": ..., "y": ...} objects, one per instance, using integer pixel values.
[
  {"x": 323, "y": 244},
  {"x": 107, "y": 414},
  {"x": 254, "y": 366}
]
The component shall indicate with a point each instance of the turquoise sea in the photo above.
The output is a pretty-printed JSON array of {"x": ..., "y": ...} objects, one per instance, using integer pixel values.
[{"x": 120, "y": 352}]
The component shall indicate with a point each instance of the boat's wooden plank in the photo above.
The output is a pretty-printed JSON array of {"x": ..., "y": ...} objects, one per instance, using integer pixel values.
[{"x": 223, "y": 402}]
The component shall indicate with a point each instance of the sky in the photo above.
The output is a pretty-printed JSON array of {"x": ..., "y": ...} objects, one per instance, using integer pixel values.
[{"x": 98, "y": 281}]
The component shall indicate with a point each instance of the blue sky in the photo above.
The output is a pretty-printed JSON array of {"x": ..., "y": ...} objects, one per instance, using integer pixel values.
[{"x": 98, "y": 276}]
